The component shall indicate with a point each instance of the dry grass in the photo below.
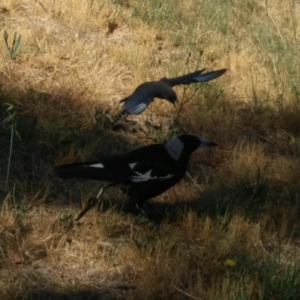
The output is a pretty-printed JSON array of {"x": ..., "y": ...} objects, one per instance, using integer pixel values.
[{"x": 231, "y": 228}]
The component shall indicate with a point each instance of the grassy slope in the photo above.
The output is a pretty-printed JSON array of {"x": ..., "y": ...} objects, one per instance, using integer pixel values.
[{"x": 240, "y": 202}]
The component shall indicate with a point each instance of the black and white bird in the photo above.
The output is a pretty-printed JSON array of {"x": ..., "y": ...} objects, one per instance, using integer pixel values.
[
  {"x": 146, "y": 171},
  {"x": 145, "y": 93}
]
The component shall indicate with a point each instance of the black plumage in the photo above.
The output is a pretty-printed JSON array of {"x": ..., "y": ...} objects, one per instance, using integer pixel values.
[
  {"x": 146, "y": 171},
  {"x": 145, "y": 93}
]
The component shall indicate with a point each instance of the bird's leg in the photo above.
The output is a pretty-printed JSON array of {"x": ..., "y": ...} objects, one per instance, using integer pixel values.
[
  {"x": 101, "y": 190},
  {"x": 92, "y": 201},
  {"x": 149, "y": 211},
  {"x": 139, "y": 205}
]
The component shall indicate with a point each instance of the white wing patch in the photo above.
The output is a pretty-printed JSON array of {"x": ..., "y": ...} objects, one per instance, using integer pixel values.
[
  {"x": 132, "y": 165},
  {"x": 99, "y": 165},
  {"x": 140, "y": 177},
  {"x": 138, "y": 109}
]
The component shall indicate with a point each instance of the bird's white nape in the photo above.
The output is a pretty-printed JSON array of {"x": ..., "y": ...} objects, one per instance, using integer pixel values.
[
  {"x": 174, "y": 148},
  {"x": 99, "y": 165}
]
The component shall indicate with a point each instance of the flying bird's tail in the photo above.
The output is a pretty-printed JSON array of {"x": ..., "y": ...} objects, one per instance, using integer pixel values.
[
  {"x": 87, "y": 170},
  {"x": 195, "y": 77}
]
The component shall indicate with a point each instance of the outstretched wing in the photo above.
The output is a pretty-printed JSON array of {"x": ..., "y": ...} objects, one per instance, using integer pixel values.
[{"x": 136, "y": 103}]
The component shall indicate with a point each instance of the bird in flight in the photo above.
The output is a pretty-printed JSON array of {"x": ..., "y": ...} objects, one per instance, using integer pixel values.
[
  {"x": 146, "y": 172},
  {"x": 145, "y": 93}
]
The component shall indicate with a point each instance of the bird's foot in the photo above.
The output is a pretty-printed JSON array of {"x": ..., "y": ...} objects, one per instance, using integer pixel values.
[{"x": 150, "y": 213}]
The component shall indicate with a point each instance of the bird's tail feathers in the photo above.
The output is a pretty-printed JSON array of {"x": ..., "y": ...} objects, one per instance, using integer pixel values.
[
  {"x": 184, "y": 79},
  {"x": 86, "y": 170},
  {"x": 194, "y": 77},
  {"x": 209, "y": 75}
]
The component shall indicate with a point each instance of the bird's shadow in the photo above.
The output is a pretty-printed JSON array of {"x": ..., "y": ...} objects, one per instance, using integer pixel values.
[
  {"x": 214, "y": 202},
  {"x": 79, "y": 295}
]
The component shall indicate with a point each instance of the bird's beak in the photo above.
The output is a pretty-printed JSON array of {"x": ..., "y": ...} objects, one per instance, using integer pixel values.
[
  {"x": 206, "y": 143},
  {"x": 175, "y": 102}
]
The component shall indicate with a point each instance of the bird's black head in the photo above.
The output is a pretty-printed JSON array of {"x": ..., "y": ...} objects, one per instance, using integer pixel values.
[
  {"x": 185, "y": 144},
  {"x": 193, "y": 142},
  {"x": 172, "y": 97},
  {"x": 164, "y": 91},
  {"x": 168, "y": 94}
]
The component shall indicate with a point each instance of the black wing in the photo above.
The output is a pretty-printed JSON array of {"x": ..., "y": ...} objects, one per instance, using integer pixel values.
[
  {"x": 136, "y": 103},
  {"x": 114, "y": 170},
  {"x": 143, "y": 164}
]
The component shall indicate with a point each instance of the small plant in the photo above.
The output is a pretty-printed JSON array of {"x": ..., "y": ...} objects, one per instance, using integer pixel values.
[
  {"x": 14, "y": 50},
  {"x": 11, "y": 121}
]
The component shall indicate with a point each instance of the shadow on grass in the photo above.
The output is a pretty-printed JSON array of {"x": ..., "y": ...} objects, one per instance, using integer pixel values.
[
  {"x": 226, "y": 200},
  {"x": 51, "y": 295},
  {"x": 32, "y": 145},
  {"x": 39, "y": 144}
]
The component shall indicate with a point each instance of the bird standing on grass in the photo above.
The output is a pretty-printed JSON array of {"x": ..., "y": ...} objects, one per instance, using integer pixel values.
[
  {"x": 145, "y": 93},
  {"x": 146, "y": 171}
]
